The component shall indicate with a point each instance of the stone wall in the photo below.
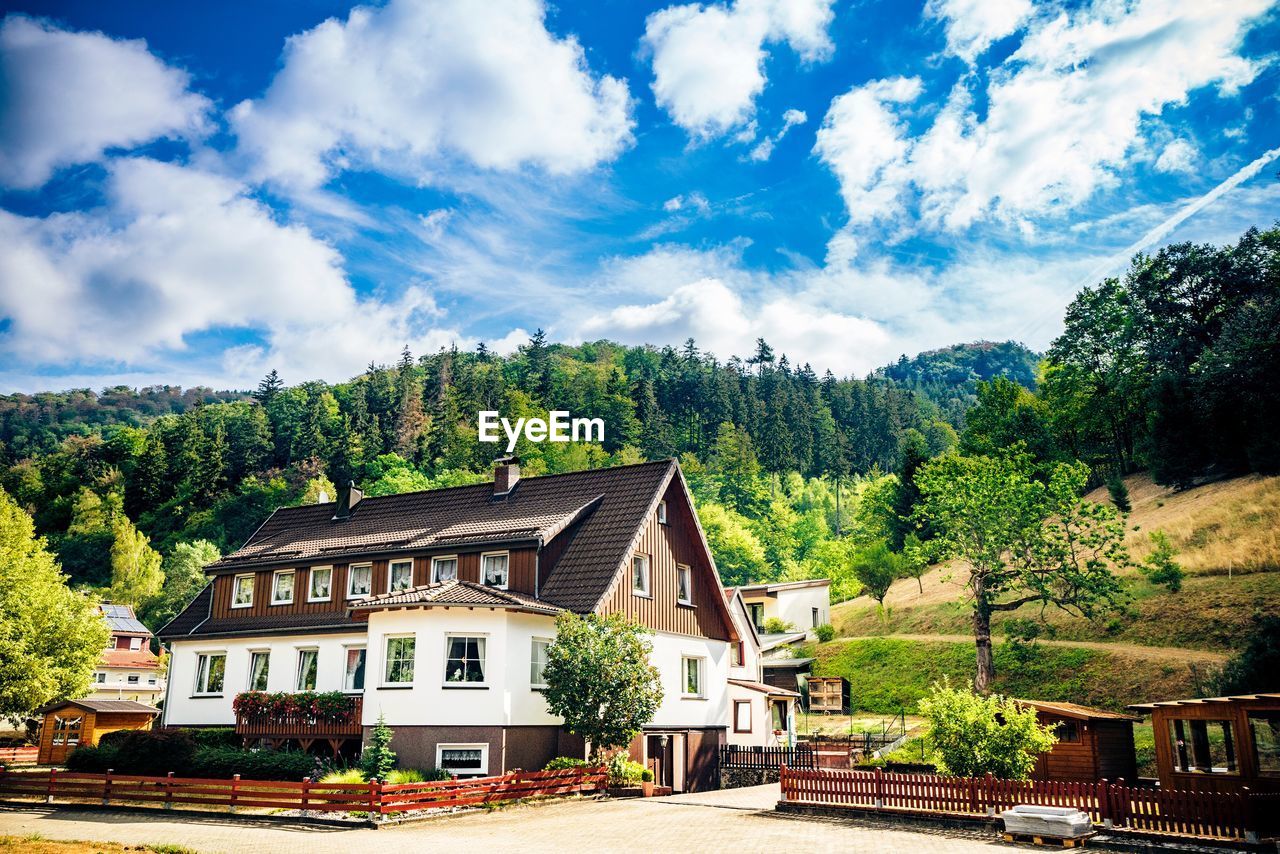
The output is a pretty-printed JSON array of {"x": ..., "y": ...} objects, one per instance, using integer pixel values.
[{"x": 736, "y": 778}]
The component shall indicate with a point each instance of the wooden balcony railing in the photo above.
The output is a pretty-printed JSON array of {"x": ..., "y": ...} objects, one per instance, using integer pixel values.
[{"x": 303, "y": 726}]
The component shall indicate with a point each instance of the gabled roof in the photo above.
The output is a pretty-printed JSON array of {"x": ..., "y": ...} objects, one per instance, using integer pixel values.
[
  {"x": 141, "y": 659},
  {"x": 466, "y": 594},
  {"x": 101, "y": 706},
  {"x": 1074, "y": 710},
  {"x": 122, "y": 620}
]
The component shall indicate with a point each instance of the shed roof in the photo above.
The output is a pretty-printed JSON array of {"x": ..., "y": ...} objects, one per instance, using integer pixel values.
[
  {"x": 1234, "y": 698},
  {"x": 101, "y": 706},
  {"x": 1074, "y": 710},
  {"x": 763, "y": 688}
]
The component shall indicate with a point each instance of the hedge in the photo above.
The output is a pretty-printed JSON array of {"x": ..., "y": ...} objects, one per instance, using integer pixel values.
[{"x": 212, "y": 762}]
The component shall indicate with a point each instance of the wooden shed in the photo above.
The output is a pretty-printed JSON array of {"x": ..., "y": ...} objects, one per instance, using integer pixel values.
[
  {"x": 828, "y": 694},
  {"x": 1217, "y": 744},
  {"x": 67, "y": 724},
  {"x": 1092, "y": 744}
]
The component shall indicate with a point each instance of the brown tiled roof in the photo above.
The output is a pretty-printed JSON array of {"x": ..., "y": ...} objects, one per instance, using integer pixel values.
[
  {"x": 190, "y": 617},
  {"x": 101, "y": 706},
  {"x": 467, "y": 593},
  {"x": 1075, "y": 710},
  {"x": 140, "y": 658},
  {"x": 323, "y": 621}
]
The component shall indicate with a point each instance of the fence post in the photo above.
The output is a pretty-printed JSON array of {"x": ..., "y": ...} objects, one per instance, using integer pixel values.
[
  {"x": 1119, "y": 797},
  {"x": 1101, "y": 789},
  {"x": 235, "y": 786},
  {"x": 106, "y": 786},
  {"x": 48, "y": 798},
  {"x": 879, "y": 790},
  {"x": 1251, "y": 830},
  {"x": 985, "y": 790},
  {"x": 168, "y": 791},
  {"x": 306, "y": 787}
]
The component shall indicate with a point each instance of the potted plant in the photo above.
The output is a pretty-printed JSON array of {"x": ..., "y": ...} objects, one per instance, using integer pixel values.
[{"x": 646, "y": 783}]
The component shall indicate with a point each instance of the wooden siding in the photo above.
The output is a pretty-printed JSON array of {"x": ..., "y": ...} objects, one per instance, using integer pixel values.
[
  {"x": 1236, "y": 711},
  {"x": 667, "y": 545},
  {"x": 93, "y": 728},
  {"x": 1104, "y": 751}
]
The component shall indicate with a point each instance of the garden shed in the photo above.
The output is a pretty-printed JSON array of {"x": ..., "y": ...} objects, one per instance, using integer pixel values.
[
  {"x": 1093, "y": 744},
  {"x": 828, "y": 694},
  {"x": 67, "y": 724}
]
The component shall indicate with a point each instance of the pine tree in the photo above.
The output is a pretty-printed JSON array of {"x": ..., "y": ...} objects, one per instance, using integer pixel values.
[
  {"x": 268, "y": 388},
  {"x": 377, "y": 760}
]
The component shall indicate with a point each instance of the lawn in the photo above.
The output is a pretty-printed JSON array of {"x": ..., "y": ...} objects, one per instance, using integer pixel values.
[{"x": 38, "y": 845}]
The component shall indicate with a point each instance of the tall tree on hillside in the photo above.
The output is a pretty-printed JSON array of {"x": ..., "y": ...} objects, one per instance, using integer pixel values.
[
  {"x": 268, "y": 388},
  {"x": 1020, "y": 540},
  {"x": 136, "y": 573},
  {"x": 411, "y": 420},
  {"x": 183, "y": 578},
  {"x": 907, "y": 494}
]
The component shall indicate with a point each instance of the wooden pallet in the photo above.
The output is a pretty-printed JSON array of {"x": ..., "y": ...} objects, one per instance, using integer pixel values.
[{"x": 1050, "y": 841}]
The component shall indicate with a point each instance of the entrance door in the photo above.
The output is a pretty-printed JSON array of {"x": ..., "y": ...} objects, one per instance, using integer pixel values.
[
  {"x": 660, "y": 758},
  {"x": 67, "y": 730}
]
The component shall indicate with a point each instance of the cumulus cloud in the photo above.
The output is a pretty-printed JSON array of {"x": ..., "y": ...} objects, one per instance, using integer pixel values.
[
  {"x": 1178, "y": 156},
  {"x": 1060, "y": 118},
  {"x": 708, "y": 61},
  {"x": 764, "y": 149},
  {"x": 410, "y": 88},
  {"x": 972, "y": 26},
  {"x": 66, "y": 97}
]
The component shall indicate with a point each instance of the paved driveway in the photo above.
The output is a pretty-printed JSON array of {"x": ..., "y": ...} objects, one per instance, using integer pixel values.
[{"x": 738, "y": 820}]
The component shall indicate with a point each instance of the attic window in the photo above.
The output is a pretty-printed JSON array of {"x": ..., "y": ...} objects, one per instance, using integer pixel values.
[
  {"x": 640, "y": 575},
  {"x": 662, "y": 512}
]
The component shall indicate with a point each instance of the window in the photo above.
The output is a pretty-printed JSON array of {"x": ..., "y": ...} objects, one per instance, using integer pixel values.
[
  {"x": 691, "y": 668},
  {"x": 739, "y": 654},
  {"x": 742, "y": 716},
  {"x": 135, "y": 644},
  {"x": 401, "y": 575},
  {"x": 1068, "y": 731},
  {"x": 756, "y": 610},
  {"x": 464, "y": 760},
  {"x": 662, "y": 512},
  {"x": 464, "y": 660},
  {"x": 815, "y": 617},
  {"x": 684, "y": 585},
  {"x": 242, "y": 591},
  {"x": 211, "y": 668},
  {"x": 538, "y": 662},
  {"x": 321, "y": 584},
  {"x": 151, "y": 680},
  {"x": 1203, "y": 746},
  {"x": 282, "y": 587},
  {"x": 111, "y": 642},
  {"x": 359, "y": 580},
  {"x": 134, "y": 678},
  {"x": 100, "y": 677},
  {"x": 1265, "y": 727},
  {"x": 67, "y": 730},
  {"x": 495, "y": 569},
  {"x": 353, "y": 671},
  {"x": 259, "y": 668},
  {"x": 399, "y": 669},
  {"x": 640, "y": 575},
  {"x": 444, "y": 568},
  {"x": 308, "y": 662}
]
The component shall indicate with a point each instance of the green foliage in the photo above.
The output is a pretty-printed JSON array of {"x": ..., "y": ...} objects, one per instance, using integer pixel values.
[
  {"x": 974, "y": 735},
  {"x": 223, "y": 762},
  {"x": 406, "y": 775},
  {"x": 740, "y": 557},
  {"x": 599, "y": 679},
  {"x": 136, "y": 575},
  {"x": 622, "y": 771},
  {"x": 51, "y": 636},
  {"x": 183, "y": 578},
  {"x": 147, "y": 752},
  {"x": 876, "y": 567},
  {"x": 560, "y": 763},
  {"x": 1254, "y": 668},
  {"x": 378, "y": 759},
  {"x": 777, "y": 626},
  {"x": 345, "y": 775},
  {"x": 1119, "y": 494},
  {"x": 1159, "y": 566},
  {"x": 825, "y": 632}
]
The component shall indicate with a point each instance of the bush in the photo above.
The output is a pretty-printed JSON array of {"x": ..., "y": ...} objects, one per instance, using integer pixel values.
[
  {"x": 1159, "y": 566},
  {"x": 223, "y": 762},
  {"x": 777, "y": 626},
  {"x": 378, "y": 759},
  {"x": 348, "y": 775},
  {"x": 974, "y": 735},
  {"x": 221, "y": 736},
  {"x": 88, "y": 759},
  {"x": 151, "y": 752},
  {"x": 825, "y": 632},
  {"x": 562, "y": 762},
  {"x": 1119, "y": 494},
  {"x": 624, "y": 772},
  {"x": 646, "y": 776},
  {"x": 406, "y": 775}
]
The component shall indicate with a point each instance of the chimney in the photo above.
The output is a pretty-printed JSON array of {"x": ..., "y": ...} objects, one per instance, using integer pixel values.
[
  {"x": 348, "y": 497},
  {"x": 506, "y": 474}
]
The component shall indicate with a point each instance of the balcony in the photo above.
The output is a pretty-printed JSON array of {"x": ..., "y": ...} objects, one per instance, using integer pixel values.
[{"x": 281, "y": 721}]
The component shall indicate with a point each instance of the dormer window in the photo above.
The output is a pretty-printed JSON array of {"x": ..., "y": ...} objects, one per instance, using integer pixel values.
[
  {"x": 282, "y": 587},
  {"x": 662, "y": 512},
  {"x": 495, "y": 566},
  {"x": 640, "y": 575},
  {"x": 401, "y": 576},
  {"x": 359, "y": 580},
  {"x": 444, "y": 569},
  {"x": 242, "y": 591}
]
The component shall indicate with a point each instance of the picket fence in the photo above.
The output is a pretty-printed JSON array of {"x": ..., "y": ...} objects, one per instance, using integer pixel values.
[
  {"x": 374, "y": 798},
  {"x": 1218, "y": 815},
  {"x": 759, "y": 758}
]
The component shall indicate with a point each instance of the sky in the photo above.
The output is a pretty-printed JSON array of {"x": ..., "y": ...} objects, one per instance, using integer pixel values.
[{"x": 200, "y": 194}]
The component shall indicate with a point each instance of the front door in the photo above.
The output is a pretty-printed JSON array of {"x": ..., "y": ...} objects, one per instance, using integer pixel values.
[
  {"x": 67, "y": 729},
  {"x": 660, "y": 758}
]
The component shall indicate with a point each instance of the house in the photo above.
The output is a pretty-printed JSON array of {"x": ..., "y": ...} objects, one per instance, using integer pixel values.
[
  {"x": 1093, "y": 744},
  {"x": 760, "y": 715},
  {"x": 1217, "y": 744},
  {"x": 434, "y": 610},
  {"x": 67, "y": 724},
  {"x": 801, "y": 606},
  {"x": 128, "y": 669}
]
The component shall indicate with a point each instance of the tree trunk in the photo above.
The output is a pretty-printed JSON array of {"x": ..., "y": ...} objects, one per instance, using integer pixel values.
[{"x": 982, "y": 640}]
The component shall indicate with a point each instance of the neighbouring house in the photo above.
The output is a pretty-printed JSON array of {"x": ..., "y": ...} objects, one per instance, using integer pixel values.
[
  {"x": 1093, "y": 744},
  {"x": 801, "y": 605},
  {"x": 789, "y": 674},
  {"x": 1218, "y": 744},
  {"x": 760, "y": 715},
  {"x": 434, "y": 610},
  {"x": 128, "y": 669},
  {"x": 67, "y": 724}
]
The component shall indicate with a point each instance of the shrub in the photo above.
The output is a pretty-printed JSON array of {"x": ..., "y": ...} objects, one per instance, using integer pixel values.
[
  {"x": 825, "y": 632},
  {"x": 378, "y": 759},
  {"x": 777, "y": 626},
  {"x": 562, "y": 762},
  {"x": 88, "y": 759},
  {"x": 406, "y": 775},
  {"x": 974, "y": 735},
  {"x": 223, "y": 762},
  {"x": 1159, "y": 566},
  {"x": 152, "y": 752},
  {"x": 1119, "y": 494},
  {"x": 433, "y": 775},
  {"x": 624, "y": 772},
  {"x": 221, "y": 736},
  {"x": 646, "y": 776},
  {"x": 348, "y": 775}
]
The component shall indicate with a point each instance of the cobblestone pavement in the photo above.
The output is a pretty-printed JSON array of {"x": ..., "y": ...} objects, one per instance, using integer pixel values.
[{"x": 711, "y": 822}]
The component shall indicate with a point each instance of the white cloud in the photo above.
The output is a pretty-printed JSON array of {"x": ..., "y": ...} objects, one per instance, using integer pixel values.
[
  {"x": 410, "y": 88},
  {"x": 972, "y": 26},
  {"x": 1060, "y": 118},
  {"x": 66, "y": 97},
  {"x": 865, "y": 144},
  {"x": 708, "y": 61},
  {"x": 695, "y": 201},
  {"x": 1177, "y": 156},
  {"x": 764, "y": 149}
]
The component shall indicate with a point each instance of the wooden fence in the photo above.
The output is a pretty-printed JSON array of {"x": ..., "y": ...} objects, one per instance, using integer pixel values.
[
  {"x": 761, "y": 758},
  {"x": 1221, "y": 815},
  {"x": 373, "y": 798},
  {"x": 11, "y": 756}
]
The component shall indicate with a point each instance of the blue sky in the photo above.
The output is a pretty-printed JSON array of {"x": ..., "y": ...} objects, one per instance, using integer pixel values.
[{"x": 200, "y": 195}]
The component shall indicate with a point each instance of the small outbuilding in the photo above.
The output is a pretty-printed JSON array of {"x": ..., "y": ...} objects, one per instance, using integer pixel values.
[
  {"x": 1093, "y": 744},
  {"x": 67, "y": 724}
]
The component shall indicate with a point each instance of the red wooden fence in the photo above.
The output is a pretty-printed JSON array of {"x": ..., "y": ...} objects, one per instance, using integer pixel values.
[
  {"x": 373, "y": 797},
  {"x": 11, "y": 756},
  {"x": 1224, "y": 815}
]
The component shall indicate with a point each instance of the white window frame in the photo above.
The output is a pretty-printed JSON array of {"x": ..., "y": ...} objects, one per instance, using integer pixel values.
[
  {"x": 533, "y": 645},
  {"x": 391, "y": 575},
  {"x": 100, "y": 678},
  {"x": 687, "y": 572},
  {"x": 133, "y": 679},
  {"x": 684, "y": 677},
  {"x": 436, "y": 561},
  {"x": 484, "y": 660},
  {"x": 235, "y": 588},
  {"x": 484, "y": 579},
  {"x": 662, "y": 512},
  {"x": 135, "y": 644},
  {"x": 254, "y": 653},
  {"x": 208, "y": 657},
  {"x": 647, "y": 590},
  {"x": 738, "y": 704},
  {"x": 483, "y": 747},
  {"x": 297, "y": 673},
  {"x": 346, "y": 653},
  {"x": 351, "y": 567},
  {"x": 293, "y": 589},
  {"x": 386, "y": 642},
  {"x": 311, "y": 574}
]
